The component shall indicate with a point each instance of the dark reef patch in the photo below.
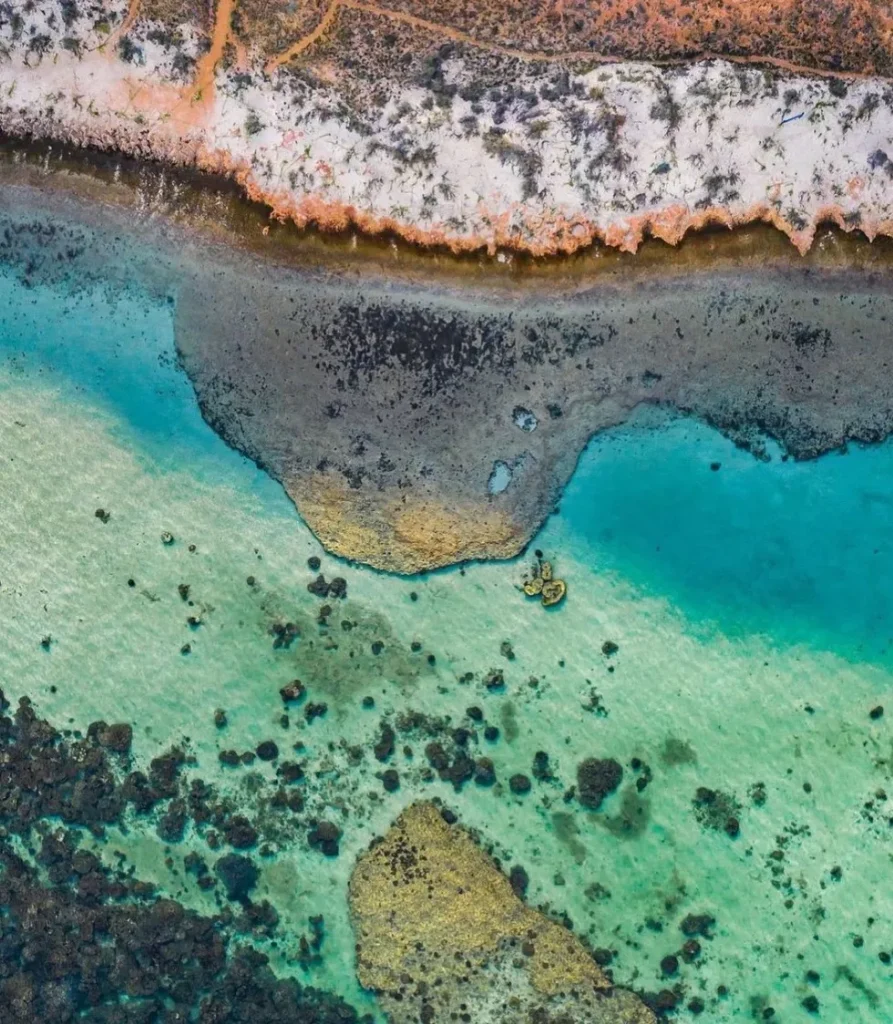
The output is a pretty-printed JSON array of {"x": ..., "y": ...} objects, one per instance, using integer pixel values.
[
  {"x": 86, "y": 947},
  {"x": 717, "y": 810},
  {"x": 79, "y": 941},
  {"x": 596, "y": 779}
]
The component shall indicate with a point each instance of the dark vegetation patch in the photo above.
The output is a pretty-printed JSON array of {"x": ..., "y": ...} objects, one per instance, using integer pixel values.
[
  {"x": 676, "y": 752},
  {"x": 596, "y": 779}
]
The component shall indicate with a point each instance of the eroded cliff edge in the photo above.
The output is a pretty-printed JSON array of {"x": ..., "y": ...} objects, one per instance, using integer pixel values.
[{"x": 540, "y": 129}]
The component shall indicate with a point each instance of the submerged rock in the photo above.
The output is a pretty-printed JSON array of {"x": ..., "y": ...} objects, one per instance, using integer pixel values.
[
  {"x": 717, "y": 810},
  {"x": 292, "y": 691},
  {"x": 239, "y": 876},
  {"x": 325, "y": 836},
  {"x": 267, "y": 751},
  {"x": 440, "y": 929},
  {"x": 116, "y": 738},
  {"x": 596, "y": 779},
  {"x": 554, "y": 592}
]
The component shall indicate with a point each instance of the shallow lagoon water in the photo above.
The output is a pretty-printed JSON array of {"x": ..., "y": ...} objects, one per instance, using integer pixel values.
[
  {"x": 798, "y": 551},
  {"x": 749, "y": 605}
]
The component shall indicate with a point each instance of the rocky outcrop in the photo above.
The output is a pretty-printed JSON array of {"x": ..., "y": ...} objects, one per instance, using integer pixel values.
[
  {"x": 419, "y": 426},
  {"x": 415, "y": 429}
]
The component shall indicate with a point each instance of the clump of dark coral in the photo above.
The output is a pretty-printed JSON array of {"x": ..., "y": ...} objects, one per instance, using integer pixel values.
[
  {"x": 89, "y": 781},
  {"x": 717, "y": 810},
  {"x": 597, "y": 778}
]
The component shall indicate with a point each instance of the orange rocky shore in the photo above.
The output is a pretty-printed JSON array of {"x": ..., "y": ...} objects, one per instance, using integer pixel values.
[
  {"x": 436, "y": 125},
  {"x": 548, "y": 237}
]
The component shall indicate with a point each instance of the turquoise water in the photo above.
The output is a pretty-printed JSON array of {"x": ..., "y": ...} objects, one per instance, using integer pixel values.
[
  {"x": 750, "y": 606},
  {"x": 799, "y": 551}
]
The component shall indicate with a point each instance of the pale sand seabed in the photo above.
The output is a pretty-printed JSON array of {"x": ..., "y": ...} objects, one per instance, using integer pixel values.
[{"x": 90, "y": 399}]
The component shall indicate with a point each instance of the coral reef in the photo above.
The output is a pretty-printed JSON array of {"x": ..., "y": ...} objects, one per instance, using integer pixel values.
[
  {"x": 439, "y": 927},
  {"x": 79, "y": 941}
]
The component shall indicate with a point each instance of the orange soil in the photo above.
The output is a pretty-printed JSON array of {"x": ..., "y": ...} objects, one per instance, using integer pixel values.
[
  {"x": 667, "y": 50},
  {"x": 829, "y": 35},
  {"x": 133, "y": 10},
  {"x": 825, "y": 36},
  {"x": 203, "y": 85}
]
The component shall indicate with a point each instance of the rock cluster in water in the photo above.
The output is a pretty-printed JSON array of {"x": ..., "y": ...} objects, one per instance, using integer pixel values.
[{"x": 541, "y": 583}]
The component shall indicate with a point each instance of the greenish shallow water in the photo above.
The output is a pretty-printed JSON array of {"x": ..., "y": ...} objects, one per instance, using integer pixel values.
[{"x": 750, "y": 605}]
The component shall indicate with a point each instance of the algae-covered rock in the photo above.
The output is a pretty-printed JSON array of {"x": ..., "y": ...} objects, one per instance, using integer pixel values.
[
  {"x": 439, "y": 926},
  {"x": 542, "y": 583},
  {"x": 596, "y": 779},
  {"x": 554, "y": 592}
]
